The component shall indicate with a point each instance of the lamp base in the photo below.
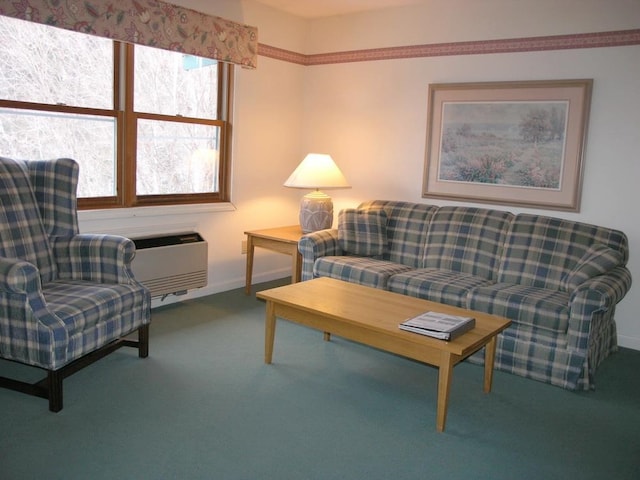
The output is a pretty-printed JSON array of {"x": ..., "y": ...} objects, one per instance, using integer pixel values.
[{"x": 316, "y": 212}]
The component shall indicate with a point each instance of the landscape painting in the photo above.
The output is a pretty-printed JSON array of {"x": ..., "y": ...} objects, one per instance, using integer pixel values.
[
  {"x": 504, "y": 143},
  {"x": 513, "y": 142}
]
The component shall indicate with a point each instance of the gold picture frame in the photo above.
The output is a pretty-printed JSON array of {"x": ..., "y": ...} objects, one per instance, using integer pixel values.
[{"x": 512, "y": 143}]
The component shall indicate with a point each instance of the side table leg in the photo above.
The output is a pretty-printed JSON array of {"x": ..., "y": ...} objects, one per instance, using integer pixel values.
[
  {"x": 296, "y": 265},
  {"x": 249, "y": 272},
  {"x": 489, "y": 359},
  {"x": 444, "y": 386},
  {"x": 269, "y": 332}
]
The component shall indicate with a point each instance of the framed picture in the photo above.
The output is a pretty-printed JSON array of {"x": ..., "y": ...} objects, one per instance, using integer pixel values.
[{"x": 513, "y": 143}]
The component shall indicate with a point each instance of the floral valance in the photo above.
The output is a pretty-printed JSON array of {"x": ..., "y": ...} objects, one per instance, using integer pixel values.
[{"x": 145, "y": 22}]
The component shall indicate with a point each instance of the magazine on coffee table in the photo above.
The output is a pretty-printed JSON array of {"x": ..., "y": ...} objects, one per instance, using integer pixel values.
[{"x": 439, "y": 325}]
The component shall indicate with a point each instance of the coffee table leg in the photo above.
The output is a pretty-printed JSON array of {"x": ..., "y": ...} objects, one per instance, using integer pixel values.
[
  {"x": 269, "y": 331},
  {"x": 444, "y": 386},
  {"x": 489, "y": 359}
]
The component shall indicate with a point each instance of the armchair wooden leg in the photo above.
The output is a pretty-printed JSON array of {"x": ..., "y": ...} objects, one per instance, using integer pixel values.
[
  {"x": 50, "y": 387},
  {"x": 143, "y": 341},
  {"x": 54, "y": 387}
]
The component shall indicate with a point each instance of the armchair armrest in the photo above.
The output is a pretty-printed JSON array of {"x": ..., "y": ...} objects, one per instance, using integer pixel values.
[
  {"x": 315, "y": 245},
  {"x": 28, "y": 331},
  {"x": 18, "y": 276},
  {"x": 97, "y": 258},
  {"x": 595, "y": 301}
]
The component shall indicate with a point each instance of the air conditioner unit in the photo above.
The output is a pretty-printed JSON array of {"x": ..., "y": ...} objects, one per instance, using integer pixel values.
[{"x": 172, "y": 263}]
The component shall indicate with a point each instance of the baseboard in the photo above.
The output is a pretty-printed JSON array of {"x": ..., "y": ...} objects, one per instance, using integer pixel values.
[{"x": 627, "y": 341}]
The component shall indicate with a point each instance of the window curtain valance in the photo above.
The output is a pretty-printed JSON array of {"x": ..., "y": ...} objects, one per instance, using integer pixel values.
[{"x": 145, "y": 22}]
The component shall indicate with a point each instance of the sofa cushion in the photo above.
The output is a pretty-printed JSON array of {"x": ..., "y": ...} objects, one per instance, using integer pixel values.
[
  {"x": 598, "y": 259},
  {"x": 362, "y": 232},
  {"x": 436, "y": 285},
  {"x": 367, "y": 271},
  {"x": 466, "y": 240},
  {"x": 407, "y": 225},
  {"x": 540, "y": 251},
  {"x": 536, "y": 307}
]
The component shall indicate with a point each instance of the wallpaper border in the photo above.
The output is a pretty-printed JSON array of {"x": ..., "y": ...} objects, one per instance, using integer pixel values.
[{"x": 512, "y": 45}]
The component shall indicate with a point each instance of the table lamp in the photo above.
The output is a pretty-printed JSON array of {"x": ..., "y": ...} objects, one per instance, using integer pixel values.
[{"x": 316, "y": 171}]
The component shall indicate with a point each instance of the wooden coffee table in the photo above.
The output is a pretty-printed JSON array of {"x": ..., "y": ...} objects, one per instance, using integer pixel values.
[{"x": 371, "y": 316}]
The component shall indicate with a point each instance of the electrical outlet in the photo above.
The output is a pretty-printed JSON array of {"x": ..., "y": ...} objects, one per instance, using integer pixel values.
[{"x": 243, "y": 248}]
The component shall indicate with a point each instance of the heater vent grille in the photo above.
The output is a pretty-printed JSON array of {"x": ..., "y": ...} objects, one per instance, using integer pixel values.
[{"x": 171, "y": 264}]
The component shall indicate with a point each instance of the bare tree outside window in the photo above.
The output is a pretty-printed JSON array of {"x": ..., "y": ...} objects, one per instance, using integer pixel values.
[
  {"x": 58, "y": 98},
  {"x": 176, "y": 157},
  {"x": 50, "y": 66}
]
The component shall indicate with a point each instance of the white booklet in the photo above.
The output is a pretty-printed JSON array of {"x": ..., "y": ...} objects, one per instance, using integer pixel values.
[{"x": 439, "y": 325}]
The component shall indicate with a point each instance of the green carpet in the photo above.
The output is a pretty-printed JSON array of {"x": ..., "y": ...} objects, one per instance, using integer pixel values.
[{"x": 205, "y": 406}]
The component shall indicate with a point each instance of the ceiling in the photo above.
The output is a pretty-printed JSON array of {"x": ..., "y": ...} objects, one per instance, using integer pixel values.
[{"x": 326, "y": 8}]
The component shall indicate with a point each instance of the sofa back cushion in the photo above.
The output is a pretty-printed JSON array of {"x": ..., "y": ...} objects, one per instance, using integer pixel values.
[
  {"x": 362, "y": 232},
  {"x": 542, "y": 251},
  {"x": 467, "y": 240},
  {"x": 407, "y": 225}
]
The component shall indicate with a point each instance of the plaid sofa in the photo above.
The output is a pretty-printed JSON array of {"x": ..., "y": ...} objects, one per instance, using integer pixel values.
[
  {"x": 558, "y": 281},
  {"x": 63, "y": 295}
]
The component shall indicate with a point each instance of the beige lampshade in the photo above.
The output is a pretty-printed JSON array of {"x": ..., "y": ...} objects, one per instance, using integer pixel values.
[{"x": 317, "y": 170}]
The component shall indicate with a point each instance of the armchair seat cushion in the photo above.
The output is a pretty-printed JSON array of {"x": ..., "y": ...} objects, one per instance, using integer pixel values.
[
  {"x": 368, "y": 271},
  {"x": 533, "y": 306},
  {"x": 81, "y": 305},
  {"x": 437, "y": 285}
]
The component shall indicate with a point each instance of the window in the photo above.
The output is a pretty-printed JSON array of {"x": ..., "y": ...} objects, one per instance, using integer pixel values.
[{"x": 147, "y": 126}]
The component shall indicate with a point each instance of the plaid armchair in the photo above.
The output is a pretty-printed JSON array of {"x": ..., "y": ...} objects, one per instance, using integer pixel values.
[{"x": 66, "y": 299}]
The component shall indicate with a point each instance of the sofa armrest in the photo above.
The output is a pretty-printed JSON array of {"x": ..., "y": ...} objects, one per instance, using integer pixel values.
[
  {"x": 595, "y": 300},
  {"x": 315, "y": 245},
  {"x": 96, "y": 258}
]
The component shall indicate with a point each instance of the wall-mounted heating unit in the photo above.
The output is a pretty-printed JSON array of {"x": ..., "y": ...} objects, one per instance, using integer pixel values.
[{"x": 172, "y": 263}]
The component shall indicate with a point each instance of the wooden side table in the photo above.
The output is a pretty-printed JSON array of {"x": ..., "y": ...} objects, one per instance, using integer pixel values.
[{"x": 281, "y": 240}]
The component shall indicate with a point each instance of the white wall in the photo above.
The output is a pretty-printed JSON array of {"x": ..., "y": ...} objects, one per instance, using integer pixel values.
[
  {"x": 439, "y": 21},
  {"x": 371, "y": 116}
]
